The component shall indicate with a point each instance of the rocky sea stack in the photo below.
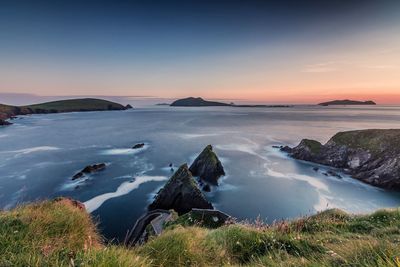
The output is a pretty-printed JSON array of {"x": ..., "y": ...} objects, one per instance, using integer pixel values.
[
  {"x": 207, "y": 166},
  {"x": 89, "y": 169},
  {"x": 372, "y": 156},
  {"x": 180, "y": 193}
]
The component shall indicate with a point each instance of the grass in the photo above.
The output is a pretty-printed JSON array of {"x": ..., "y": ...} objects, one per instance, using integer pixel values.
[
  {"x": 314, "y": 146},
  {"x": 373, "y": 140},
  {"x": 76, "y": 105},
  {"x": 58, "y": 233}
]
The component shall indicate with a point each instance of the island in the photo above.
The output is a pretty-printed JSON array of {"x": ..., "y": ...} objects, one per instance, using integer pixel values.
[
  {"x": 346, "y": 102},
  {"x": 196, "y": 102},
  {"x": 371, "y": 156},
  {"x": 200, "y": 102},
  {"x": 61, "y": 106}
]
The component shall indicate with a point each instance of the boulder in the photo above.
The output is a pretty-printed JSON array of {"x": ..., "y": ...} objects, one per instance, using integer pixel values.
[
  {"x": 89, "y": 169},
  {"x": 138, "y": 145},
  {"x": 180, "y": 193},
  {"x": 207, "y": 166},
  {"x": 4, "y": 122}
]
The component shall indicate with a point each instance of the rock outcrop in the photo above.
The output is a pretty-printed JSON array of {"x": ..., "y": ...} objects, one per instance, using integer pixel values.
[
  {"x": 207, "y": 166},
  {"x": 138, "y": 145},
  {"x": 89, "y": 169},
  {"x": 372, "y": 156},
  {"x": 180, "y": 193},
  {"x": 4, "y": 122}
]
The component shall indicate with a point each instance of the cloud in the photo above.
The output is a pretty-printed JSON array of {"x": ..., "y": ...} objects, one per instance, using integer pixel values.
[
  {"x": 382, "y": 67},
  {"x": 321, "y": 67}
]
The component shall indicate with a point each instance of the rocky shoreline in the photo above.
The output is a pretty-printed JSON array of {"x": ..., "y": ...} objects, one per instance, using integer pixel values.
[{"x": 371, "y": 156}]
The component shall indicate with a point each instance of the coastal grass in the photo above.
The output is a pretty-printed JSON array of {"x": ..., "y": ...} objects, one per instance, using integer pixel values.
[{"x": 59, "y": 233}]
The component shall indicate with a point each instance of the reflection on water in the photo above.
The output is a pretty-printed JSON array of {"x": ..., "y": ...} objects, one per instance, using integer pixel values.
[{"x": 40, "y": 154}]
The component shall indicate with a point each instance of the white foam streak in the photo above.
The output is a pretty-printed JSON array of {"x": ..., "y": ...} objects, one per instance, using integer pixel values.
[
  {"x": 123, "y": 151},
  {"x": 125, "y": 188}
]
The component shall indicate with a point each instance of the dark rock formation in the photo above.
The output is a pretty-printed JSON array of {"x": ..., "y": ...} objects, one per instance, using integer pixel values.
[
  {"x": 372, "y": 156},
  {"x": 206, "y": 188},
  {"x": 89, "y": 169},
  {"x": 180, "y": 193},
  {"x": 139, "y": 145},
  {"x": 4, "y": 123},
  {"x": 347, "y": 102},
  {"x": 128, "y": 106},
  {"x": 207, "y": 166}
]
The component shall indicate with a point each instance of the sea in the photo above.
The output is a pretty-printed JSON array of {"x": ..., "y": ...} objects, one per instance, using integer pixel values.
[{"x": 39, "y": 154}]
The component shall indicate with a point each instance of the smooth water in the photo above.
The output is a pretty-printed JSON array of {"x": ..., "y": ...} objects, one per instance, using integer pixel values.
[{"x": 39, "y": 154}]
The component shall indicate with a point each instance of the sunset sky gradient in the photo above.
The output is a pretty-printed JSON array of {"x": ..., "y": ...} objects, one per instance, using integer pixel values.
[{"x": 272, "y": 52}]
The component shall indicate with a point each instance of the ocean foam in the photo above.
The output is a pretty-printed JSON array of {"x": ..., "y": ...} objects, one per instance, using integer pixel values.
[
  {"x": 123, "y": 151},
  {"x": 125, "y": 188}
]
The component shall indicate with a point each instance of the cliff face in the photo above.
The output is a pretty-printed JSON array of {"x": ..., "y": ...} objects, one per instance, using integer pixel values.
[
  {"x": 207, "y": 166},
  {"x": 180, "y": 193},
  {"x": 372, "y": 156}
]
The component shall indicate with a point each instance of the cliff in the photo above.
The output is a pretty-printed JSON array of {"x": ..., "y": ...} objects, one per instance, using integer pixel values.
[
  {"x": 180, "y": 193},
  {"x": 207, "y": 166},
  {"x": 372, "y": 156}
]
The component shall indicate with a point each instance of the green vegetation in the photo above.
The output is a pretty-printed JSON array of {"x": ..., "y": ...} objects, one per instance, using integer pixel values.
[
  {"x": 373, "y": 140},
  {"x": 59, "y": 233},
  {"x": 315, "y": 146},
  {"x": 70, "y": 105},
  {"x": 85, "y": 104}
]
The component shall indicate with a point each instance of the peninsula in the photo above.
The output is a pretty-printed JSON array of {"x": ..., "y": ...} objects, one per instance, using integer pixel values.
[
  {"x": 346, "y": 102},
  {"x": 69, "y": 105},
  {"x": 371, "y": 156}
]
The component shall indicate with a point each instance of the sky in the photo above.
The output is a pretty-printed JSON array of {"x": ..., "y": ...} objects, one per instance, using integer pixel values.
[{"x": 263, "y": 51}]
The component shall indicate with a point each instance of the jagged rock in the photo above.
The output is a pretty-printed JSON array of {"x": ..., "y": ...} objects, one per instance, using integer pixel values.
[
  {"x": 128, "y": 106},
  {"x": 180, "y": 193},
  {"x": 139, "y": 145},
  {"x": 207, "y": 166},
  {"x": 372, "y": 156},
  {"x": 206, "y": 188},
  {"x": 89, "y": 169},
  {"x": 4, "y": 122}
]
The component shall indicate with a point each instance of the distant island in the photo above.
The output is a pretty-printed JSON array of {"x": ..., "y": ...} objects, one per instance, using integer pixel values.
[
  {"x": 69, "y": 105},
  {"x": 200, "y": 102},
  {"x": 347, "y": 102},
  {"x": 196, "y": 102}
]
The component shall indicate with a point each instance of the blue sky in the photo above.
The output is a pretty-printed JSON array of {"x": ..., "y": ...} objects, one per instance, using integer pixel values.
[{"x": 265, "y": 50}]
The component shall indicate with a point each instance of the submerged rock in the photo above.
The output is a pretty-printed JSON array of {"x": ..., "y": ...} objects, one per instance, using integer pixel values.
[
  {"x": 180, "y": 193},
  {"x": 372, "y": 156},
  {"x": 207, "y": 166},
  {"x": 138, "y": 145},
  {"x": 89, "y": 169},
  {"x": 4, "y": 122}
]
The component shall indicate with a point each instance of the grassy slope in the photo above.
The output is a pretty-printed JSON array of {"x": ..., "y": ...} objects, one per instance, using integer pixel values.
[
  {"x": 70, "y": 105},
  {"x": 57, "y": 233},
  {"x": 77, "y": 105},
  {"x": 374, "y": 140}
]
